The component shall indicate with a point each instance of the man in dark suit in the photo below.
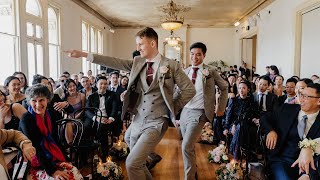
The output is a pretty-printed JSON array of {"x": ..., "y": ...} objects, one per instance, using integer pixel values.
[
  {"x": 265, "y": 100},
  {"x": 115, "y": 87},
  {"x": 107, "y": 102},
  {"x": 287, "y": 126}
]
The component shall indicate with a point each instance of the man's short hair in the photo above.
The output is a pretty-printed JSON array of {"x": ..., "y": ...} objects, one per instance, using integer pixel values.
[
  {"x": 306, "y": 80},
  {"x": 267, "y": 78},
  {"x": 200, "y": 45},
  {"x": 101, "y": 78},
  {"x": 315, "y": 86},
  {"x": 148, "y": 33},
  {"x": 292, "y": 80},
  {"x": 114, "y": 72}
]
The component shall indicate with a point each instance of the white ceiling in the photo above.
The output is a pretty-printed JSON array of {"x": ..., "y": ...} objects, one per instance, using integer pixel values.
[{"x": 203, "y": 13}]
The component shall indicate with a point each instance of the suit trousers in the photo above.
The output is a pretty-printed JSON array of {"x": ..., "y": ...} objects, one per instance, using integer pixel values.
[
  {"x": 142, "y": 137},
  {"x": 191, "y": 124}
]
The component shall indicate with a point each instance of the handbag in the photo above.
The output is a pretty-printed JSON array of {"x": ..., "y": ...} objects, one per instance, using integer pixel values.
[{"x": 20, "y": 167}]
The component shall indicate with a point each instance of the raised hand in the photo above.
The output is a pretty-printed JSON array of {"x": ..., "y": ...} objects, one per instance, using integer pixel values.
[{"x": 76, "y": 53}]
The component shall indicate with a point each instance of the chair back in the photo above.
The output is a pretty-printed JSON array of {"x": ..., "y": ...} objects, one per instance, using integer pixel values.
[
  {"x": 97, "y": 118},
  {"x": 70, "y": 128}
]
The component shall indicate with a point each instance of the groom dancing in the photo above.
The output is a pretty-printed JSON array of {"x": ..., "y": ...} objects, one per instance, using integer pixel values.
[{"x": 149, "y": 97}]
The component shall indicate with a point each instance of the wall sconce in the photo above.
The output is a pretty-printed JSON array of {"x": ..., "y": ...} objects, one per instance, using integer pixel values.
[{"x": 237, "y": 23}]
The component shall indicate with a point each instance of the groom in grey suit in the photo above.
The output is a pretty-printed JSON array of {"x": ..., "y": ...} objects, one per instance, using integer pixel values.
[
  {"x": 149, "y": 96},
  {"x": 201, "y": 107}
]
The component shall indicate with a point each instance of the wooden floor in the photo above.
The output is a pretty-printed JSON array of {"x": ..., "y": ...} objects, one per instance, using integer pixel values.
[{"x": 171, "y": 166}]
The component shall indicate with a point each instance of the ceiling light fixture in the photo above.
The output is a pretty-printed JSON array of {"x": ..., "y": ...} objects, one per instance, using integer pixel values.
[
  {"x": 173, "y": 40},
  {"x": 171, "y": 21},
  {"x": 237, "y": 23}
]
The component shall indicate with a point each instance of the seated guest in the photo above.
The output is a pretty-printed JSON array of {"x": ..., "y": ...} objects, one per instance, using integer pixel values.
[
  {"x": 76, "y": 80},
  {"x": 20, "y": 140},
  {"x": 241, "y": 110},
  {"x": 75, "y": 99},
  {"x": 232, "y": 86},
  {"x": 124, "y": 82},
  {"x": 264, "y": 100},
  {"x": 115, "y": 87},
  {"x": 278, "y": 88},
  {"x": 301, "y": 84},
  {"x": 13, "y": 85},
  {"x": 107, "y": 102},
  {"x": 60, "y": 90},
  {"x": 53, "y": 83},
  {"x": 23, "y": 80},
  {"x": 56, "y": 106},
  {"x": 10, "y": 114},
  {"x": 287, "y": 126},
  {"x": 92, "y": 81},
  {"x": 39, "y": 126},
  {"x": 87, "y": 89},
  {"x": 290, "y": 97}
]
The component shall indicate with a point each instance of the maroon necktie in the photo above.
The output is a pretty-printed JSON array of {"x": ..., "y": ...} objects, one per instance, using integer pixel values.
[
  {"x": 149, "y": 73},
  {"x": 194, "y": 74}
]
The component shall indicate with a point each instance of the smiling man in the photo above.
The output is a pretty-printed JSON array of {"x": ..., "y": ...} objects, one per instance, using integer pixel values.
[
  {"x": 149, "y": 96},
  {"x": 288, "y": 126},
  {"x": 200, "y": 108}
]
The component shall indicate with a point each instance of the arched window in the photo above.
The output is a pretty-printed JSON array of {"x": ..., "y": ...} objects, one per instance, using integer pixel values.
[
  {"x": 33, "y": 7},
  {"x": 9, "y": 39},
  {"x": 54, "y": 44}
]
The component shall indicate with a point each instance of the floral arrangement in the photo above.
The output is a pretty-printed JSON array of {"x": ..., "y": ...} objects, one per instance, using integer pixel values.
[
  {"x": 109, "y": 170},
  {"x": 207, "y": 134},
  {"x": 119, "y": 150},
  {"x": 218, "y": 155},
  {"x": 230, "y": 171}
]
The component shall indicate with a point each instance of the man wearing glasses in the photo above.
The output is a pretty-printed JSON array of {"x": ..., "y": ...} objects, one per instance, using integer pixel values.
[
  {"x": 286, "y": 128},
  {"x": 60, "y": 89}
]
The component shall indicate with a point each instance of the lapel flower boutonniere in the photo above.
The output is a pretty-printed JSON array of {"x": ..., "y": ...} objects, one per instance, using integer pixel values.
[
  {"x": 164, "y": 70},
  {"x": 205, "y": 73}
]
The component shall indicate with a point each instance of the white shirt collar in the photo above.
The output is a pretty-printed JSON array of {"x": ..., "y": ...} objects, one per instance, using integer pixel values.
[
  {"x": 265, "y": 93},
  {"x": 155, "y": 59},
  {"x": 200, "y": 66},
  {"x": 312, "y": 116}
]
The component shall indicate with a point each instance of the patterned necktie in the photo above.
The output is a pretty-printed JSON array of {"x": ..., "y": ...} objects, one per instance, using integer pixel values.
[
  {"x": 194, "y": 74},
  {"x": 149, "y": 73},
  {"x": 302, "y": 126},
  {"x": 261, "y": 102}
]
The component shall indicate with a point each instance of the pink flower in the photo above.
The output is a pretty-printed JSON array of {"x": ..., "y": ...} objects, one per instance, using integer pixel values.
[
  {"x": 105, "y": 173},
  {"x": 216, "y": 159},
  {"x": 205, "y": 72},
  {"x": 164, "y": 69}
]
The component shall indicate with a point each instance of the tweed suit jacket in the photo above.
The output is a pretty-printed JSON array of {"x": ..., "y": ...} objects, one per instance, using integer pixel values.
[
  {"x": 167, "y": 81},
  {"x": 209, "y": 94}
]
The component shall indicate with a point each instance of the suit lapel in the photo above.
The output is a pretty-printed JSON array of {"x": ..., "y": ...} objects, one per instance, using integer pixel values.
[
  {"x": 315, "y": 128},
  {"x": 140, "y": 64}
]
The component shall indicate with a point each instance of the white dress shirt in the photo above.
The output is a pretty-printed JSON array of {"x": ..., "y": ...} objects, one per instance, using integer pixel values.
[{"x": 197, "y": 101}]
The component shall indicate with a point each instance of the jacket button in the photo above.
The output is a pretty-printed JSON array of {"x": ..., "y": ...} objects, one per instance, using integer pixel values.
[
  {"x": 151, "y": 111},
  {"x": 153, "y": 103},
  {"x": 143, "y": 109},
  {"x": 144, "y": 101}
]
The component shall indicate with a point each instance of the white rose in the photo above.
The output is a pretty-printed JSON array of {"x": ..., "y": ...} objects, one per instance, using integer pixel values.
[
  {"x": 225, "y": 157},
  {"x": 164, "y": 69}
]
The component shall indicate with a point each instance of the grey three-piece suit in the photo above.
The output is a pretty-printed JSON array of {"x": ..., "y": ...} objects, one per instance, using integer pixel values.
[{"x": 152, "y": 106}]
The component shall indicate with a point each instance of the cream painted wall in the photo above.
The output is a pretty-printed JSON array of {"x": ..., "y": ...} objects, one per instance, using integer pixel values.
[
  {"x": 71, "y": 18},
  {"x": 276, "y": 36},
  {"x": 220, "y": 42}
]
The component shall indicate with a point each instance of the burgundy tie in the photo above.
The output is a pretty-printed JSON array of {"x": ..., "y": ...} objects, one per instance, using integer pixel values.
[
  {"x": 149, "y": 73},
  {"x": 194, "y": 74}
]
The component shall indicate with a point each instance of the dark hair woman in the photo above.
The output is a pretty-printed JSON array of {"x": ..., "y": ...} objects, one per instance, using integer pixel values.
[
  {"x": 23, "y": 80},
  {"x": 75, "y": 98},
  {"x": 240, "y": 110},
  {"x": 13, "y": 86},
  {"x": 39, "y": 126}
]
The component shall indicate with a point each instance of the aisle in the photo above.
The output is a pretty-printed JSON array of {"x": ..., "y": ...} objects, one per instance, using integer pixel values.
[{"x": 171, "y": 166}]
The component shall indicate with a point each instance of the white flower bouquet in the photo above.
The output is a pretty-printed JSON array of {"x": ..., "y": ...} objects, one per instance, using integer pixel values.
[
  {"x": 218, "y": 155},
  {"x": 207, "y": 134},
  {"x": 109, "y": 171},
  {"x": 230, "y": 171},
  {"x": 119, "y": 150}
]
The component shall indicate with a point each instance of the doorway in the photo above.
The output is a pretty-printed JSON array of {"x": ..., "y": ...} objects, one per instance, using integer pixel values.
[{"x": 249, "y": 52}]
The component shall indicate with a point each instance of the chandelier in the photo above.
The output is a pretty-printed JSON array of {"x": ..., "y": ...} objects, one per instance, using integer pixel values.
[
  {"x": 173, "y": 40},
  {"x": 171, "y": 21}
]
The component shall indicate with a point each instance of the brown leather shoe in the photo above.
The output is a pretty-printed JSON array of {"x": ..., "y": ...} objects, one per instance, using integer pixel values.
[{"x": 153, "y": 159}]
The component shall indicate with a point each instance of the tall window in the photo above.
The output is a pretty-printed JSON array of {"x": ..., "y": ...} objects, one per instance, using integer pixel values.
[
  {"x": 9, "y": 39},
  {"x": 92, "y": 42},
  {"x": 35, "y": 41},
  {"x": 54, "y": 43}
]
